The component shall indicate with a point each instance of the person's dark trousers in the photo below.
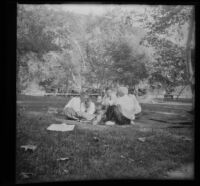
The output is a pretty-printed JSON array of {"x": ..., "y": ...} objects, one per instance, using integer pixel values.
[{"x": 113, "y": 114}]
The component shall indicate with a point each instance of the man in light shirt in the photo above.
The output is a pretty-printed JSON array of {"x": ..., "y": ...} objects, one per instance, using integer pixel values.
[
  {"x": 103, "y": 104},
  {"x": 80, "y": 108},
  {"x": 110, "y": 98}
]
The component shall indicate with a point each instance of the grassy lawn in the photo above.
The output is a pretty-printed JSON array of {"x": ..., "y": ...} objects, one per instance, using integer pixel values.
[{"x": 94, "y": 152}]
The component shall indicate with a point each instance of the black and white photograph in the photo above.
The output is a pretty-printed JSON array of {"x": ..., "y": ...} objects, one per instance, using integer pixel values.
[{"x": 104, "y": 92}]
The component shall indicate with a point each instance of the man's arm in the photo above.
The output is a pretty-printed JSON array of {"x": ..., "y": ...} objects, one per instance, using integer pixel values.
[
  {"x": 91, "y": 108},
  {"x": 82, "y": 107}
]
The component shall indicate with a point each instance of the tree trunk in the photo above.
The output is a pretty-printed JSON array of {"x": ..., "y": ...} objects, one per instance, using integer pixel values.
[
  {"x": 180, "y": 92},
  {"x": 189, "y": 65}
]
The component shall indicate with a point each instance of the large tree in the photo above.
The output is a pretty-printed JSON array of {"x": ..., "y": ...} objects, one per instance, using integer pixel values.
[{"x": 166, "y": 33}]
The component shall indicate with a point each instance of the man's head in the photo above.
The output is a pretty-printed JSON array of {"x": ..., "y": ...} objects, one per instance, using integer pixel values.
[
  {"x": 84, "y": 96},
  {"x": 88, "y": 102},
  {"x": 108, "y": 91},
  {"x": 122, "y": 91},
  {"x": 86, "y": 99},
  {"x": 99, "y": 99}
]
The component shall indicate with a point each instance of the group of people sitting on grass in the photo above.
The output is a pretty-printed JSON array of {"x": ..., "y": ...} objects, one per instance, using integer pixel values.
[{"x": 116, "y": 107}]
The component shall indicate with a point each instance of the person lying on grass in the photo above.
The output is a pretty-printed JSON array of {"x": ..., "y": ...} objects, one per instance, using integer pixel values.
[
  {"x": 80, "y": 107},
  {"x": 123, "y": 109}
]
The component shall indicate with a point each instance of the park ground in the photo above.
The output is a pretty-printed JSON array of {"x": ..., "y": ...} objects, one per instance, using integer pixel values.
[{"x": 104, "y": 152}]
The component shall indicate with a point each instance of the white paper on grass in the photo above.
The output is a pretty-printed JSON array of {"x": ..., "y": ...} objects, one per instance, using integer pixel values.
[
  {"x": 29, "y": 147},
  {"x": 61, "y": 127}
]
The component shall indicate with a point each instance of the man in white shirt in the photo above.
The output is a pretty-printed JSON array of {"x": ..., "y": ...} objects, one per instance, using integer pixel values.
[
  {"x": 80, "y": 108},
  {"x": 103, "y": 104},
  {"x": 110, "y": 98}
]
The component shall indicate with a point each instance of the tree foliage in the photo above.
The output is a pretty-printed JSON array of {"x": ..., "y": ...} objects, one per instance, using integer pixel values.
[
  {"x": 61, "y": 50},
  {"x": 170, "y": 60},
  {"x": 31, "y": 35}
]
